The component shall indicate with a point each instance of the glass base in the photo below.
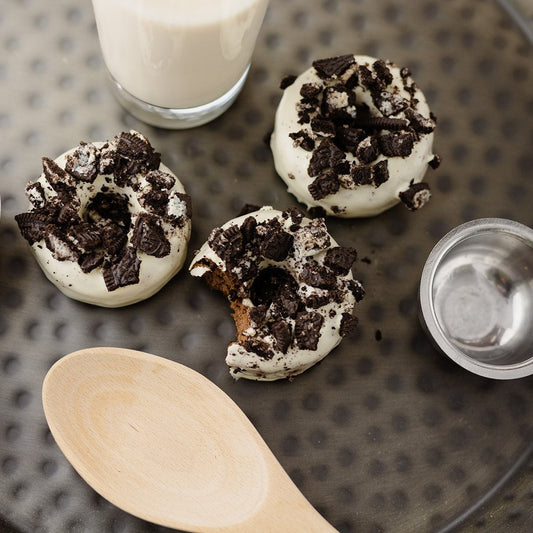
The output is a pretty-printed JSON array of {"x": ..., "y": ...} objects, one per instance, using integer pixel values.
[{"x": 170, "y": 118}]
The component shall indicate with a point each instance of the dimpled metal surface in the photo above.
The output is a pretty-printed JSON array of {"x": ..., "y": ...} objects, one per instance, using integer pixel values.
[{"x": 386, "y": 434}]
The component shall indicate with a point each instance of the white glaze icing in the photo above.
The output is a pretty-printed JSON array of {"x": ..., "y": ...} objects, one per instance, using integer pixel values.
[
  {"x": 247, "y": 364},
  {"x": 292, "y": 161},
  {"x": 89, "y": 287}
]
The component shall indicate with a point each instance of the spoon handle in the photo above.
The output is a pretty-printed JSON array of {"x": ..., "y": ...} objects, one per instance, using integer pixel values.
[
  {"x": 296, "y": 517},
  {"x": 286, "y": 509}
]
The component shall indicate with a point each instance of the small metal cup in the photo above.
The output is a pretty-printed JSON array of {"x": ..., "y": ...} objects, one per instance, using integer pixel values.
[{"x": 476, "y": 297}]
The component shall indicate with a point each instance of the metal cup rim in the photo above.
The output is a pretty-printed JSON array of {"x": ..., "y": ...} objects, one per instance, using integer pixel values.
[{"x": 428, "y": 317}]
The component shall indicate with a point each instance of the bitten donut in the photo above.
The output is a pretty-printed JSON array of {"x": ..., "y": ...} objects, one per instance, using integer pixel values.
[
  {"x": 108, "y": 223},
  {"x": 354, "y": 135},
  {"x": 290, "y": 287}
]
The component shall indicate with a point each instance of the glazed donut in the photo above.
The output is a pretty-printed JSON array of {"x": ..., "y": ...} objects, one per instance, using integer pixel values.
[
  {"x": 353, "y": 135},
  {"x": 108, "y": 223},
  {"x": 290, "y": 287}
]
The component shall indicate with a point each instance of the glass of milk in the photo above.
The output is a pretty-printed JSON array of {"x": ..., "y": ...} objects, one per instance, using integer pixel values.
[{"x": 178, "y": 63}]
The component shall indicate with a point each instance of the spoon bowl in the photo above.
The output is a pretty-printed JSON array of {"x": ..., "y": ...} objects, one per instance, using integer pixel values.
[{"x": 162, "y": 442}]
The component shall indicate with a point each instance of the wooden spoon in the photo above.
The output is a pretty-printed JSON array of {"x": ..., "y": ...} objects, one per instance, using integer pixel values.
[{"x": 164, "y": 443}]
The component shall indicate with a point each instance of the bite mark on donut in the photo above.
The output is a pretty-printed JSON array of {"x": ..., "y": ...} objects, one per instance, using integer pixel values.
[{"x": 278, "y": 275}]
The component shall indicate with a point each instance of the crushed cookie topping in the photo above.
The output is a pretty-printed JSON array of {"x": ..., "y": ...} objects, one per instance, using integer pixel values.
[
  {"x": 334, "y": 123},
  {"x": 416, "y": 196},
  {"x": 97, "y": 235},
  {"x": 289, "y": 270}
]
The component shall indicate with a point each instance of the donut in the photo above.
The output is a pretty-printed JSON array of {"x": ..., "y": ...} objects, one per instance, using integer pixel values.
[
  {"x": 353, "y": 136},
  {"x": 290, "y": 287},
  {"x": 108, "y": 223}
]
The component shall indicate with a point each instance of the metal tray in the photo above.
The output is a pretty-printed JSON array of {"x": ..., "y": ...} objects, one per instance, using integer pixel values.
[{"x": 386, "y": 435}]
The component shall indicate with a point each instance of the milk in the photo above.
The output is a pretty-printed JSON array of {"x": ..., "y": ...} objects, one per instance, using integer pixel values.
[{"x": 178, "y": 53}]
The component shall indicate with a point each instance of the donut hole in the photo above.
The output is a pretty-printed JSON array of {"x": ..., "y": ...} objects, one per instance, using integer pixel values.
[
  {"x": 109, "y": 206},
  {"x": 272, "y": 285}
]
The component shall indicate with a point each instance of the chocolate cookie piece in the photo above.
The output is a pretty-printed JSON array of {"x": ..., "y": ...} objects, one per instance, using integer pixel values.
[
  {"x": 348, "y": 138},
  {"x": 382, "y": 72},
  {"x": 276, "y": 245},
  {"x": 149, "y": 237},
  {"x": 36, "y": 194},
  {"x": 339, "y": 104},
  {"x": 418, "y": 122},
  {"x": 160, "y": 180},
  {"x": 86, "y": 236},
  {"x": 361, "y": 174},
  {"x": 340, "y": 259},
  {"x": 136, "y": 147},
  {"x": 396, "y": 144},
  {"x": 179, "y": 208},
  {"x": 59, "y": 244},
  {"x": 324, "y": 185},
  {"x": 333, "y": 67},
  {"x": 303, "y": 139},
  {"x": 68, "y": 211},
  {"x": 307, "y": 329},
  {"x": 258, "y": 347},
  {"x": 296, "y": 215},
  {"x": 248, "y": 231},
  {"x": 258, "y": 314},
  {"x": 416, "y": 196},
  {"x": 369, "y": 80},
  {"x": 228, "y": 244},
  {"x": 155, "y": 200},
  {"x": 371, "y": 124},
  {"x": 306, "y": 108},
  {"x": 349, "y": 324},
  {"x": 325, "y": 156},
  {"x": 281, "y": 331},
  {"x": 435, "y": 162},
  {"x": 367, "y": 150},
  {"x": 323, "y": 126},
  {"x": 310, "y": 91},
  {"x": 114, "y": 239},
  {"x": 60, "y": 180},
  {"x": 380, "y": 172},
  {"x": 134, "y": 155},
  {"x": 108, "y": 158},
  {"x": 312, "y": 238},
  {"x": 287, "y": 81},
  {"x": 88, "y": 262},
  {"x": 84, "y": 162},
  {"x": 32, "y": 225},
  {"x": 357, "y": 289},
  {"x": 390, "y": 103},
  {"x": 124, "y": 272},
  {"x": 318, "y": 276}
]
